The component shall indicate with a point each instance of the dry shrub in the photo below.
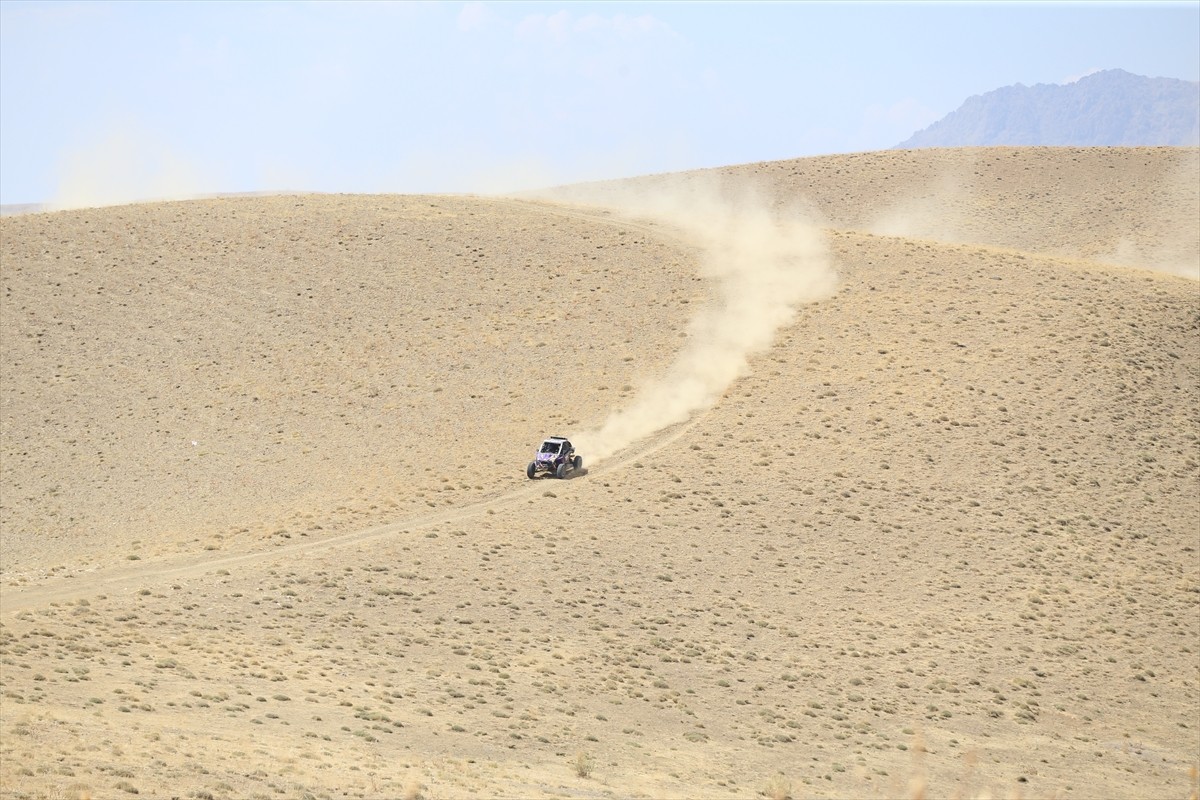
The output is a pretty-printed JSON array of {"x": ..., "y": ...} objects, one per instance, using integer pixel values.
[
  {"x": 779, "y": 788},
  {"x": 584, "y": 764}
]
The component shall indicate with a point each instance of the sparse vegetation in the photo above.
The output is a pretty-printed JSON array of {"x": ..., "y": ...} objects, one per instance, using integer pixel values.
[{"x": 946, "y": 510}]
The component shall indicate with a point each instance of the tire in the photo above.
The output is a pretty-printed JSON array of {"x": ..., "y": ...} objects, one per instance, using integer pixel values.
[
  {"x": 531, "y": 470},
  {"x": 577, "y": 463},
  {"x": 561, "y": 472}
]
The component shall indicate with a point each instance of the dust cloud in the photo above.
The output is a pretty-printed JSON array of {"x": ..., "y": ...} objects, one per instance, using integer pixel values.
[
  {"x": 763, "y": 263},
  {"x": 127, "y": 165}
]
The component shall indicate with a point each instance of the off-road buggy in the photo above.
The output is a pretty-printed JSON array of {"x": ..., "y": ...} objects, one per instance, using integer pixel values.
[{"x": 555, "y": 457}]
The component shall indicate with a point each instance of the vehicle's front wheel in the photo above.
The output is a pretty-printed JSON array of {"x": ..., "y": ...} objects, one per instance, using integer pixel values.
[
  {"x": 577, "y": 462},
  {"x": 561, "y": 472},
  {"x": 531, "y": 470}
]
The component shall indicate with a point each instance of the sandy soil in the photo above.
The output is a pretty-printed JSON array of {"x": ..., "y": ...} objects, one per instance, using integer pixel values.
[{"x": 266, "y": 530}]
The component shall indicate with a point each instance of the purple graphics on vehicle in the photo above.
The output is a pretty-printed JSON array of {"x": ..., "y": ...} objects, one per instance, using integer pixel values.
[{"x": 556, "y": 456}]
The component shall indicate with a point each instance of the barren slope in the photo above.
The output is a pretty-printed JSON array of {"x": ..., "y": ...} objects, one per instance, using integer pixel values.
[
  {"x": 942, "y": 534},
  {"x": 1133, "y": 206},
  {"x": 227, "y": 371}
]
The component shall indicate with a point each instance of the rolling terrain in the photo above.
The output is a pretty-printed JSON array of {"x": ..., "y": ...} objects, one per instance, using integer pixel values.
[{"x": 927, "y": 526}]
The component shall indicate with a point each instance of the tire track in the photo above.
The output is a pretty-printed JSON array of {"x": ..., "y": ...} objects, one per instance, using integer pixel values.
[{"x": 124, "y": 579}]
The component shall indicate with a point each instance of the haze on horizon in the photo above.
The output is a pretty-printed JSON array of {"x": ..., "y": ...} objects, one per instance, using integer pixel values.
[{"x": 106, "y": 103}]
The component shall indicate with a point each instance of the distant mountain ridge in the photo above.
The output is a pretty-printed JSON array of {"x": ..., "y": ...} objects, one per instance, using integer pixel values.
[{"x": 1108, "y": 108}]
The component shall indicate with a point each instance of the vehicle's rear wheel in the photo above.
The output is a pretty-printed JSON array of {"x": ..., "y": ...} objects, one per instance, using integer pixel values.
[
  {"x": 561, "y": 472},
  {"x": 531, "y": 470}
]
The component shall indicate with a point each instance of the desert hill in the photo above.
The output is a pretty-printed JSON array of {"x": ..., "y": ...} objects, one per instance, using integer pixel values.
[
  {"x": 1115, "y": 205},
  {"x": 266, "y": 529}
]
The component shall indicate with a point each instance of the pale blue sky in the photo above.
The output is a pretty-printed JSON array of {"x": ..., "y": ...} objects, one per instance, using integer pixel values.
[{"x": 115, "y": 101}]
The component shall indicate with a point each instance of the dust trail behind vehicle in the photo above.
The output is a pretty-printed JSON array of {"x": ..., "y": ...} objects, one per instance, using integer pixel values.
[{"x": 764, "y": 263}]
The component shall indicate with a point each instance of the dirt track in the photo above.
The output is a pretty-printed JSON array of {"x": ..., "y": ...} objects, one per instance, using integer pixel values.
[{"x": 125, "y": 578}]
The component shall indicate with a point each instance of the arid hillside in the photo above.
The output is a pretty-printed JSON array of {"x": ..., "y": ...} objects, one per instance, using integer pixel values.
[
  {"x": 893, "y": 487},
  {"x": 1115, "y": 205}
]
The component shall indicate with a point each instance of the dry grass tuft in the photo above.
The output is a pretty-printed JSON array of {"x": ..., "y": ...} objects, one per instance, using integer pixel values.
[
  {"x": 584, "y": 764},
  {"x": 779, "y": 788},
  {"x": 412, "y": 790}
]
